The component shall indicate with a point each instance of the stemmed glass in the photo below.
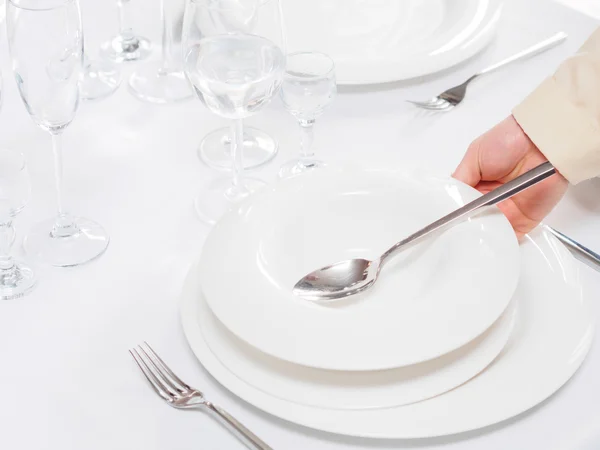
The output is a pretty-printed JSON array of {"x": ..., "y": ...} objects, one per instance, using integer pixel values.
[
  {"x": 259, "y": 147},
  {"x": 46, "y": 50},
  {"x": 16, "y": 278},
  {"x": 166, "y": 82},
  {"x": 235, "y": 61},
  {"x": 127, "y": 46},
  {"x": 308, "y": 89}
]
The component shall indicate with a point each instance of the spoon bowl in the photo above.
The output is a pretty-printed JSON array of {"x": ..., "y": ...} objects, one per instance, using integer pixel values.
[{"x": 338, "y": 280}]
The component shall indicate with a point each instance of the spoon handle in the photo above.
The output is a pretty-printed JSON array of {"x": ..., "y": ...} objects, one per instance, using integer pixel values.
[{"x": 499, "y": 194}]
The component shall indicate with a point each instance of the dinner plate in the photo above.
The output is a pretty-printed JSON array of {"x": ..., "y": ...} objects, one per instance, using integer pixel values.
[
  {"x": 552, "y": 335},
  {"x": 352, "y": 390},
  {"x": 430, "y": 300},
  {"x": 379, "y": 41}
]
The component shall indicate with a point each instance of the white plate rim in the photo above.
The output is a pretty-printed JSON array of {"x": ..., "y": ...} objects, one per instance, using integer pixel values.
[
  {"x": 458, "y": 370},
  {"x": 360, "y": 72}
]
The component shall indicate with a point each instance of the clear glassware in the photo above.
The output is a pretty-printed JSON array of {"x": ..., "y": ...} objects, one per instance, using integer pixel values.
[
  {"x": 45, "y": 42},
  {"x": 16, "y": 278},
  {"x": 214, "y": 149},
  {"x": 235, "y": 62},
  {"x": 127, "y": 46},
  {"x": 308, "y": 89},
  {"x": 164, "y": 82},
  {"x": 100, "y": 79}
]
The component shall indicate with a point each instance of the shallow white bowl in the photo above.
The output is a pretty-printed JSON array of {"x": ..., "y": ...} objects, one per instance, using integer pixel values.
[{"x": 430, "y": 300}]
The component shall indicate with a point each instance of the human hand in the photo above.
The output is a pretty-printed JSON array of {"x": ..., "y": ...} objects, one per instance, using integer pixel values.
[{"x": 502, "y": 154}]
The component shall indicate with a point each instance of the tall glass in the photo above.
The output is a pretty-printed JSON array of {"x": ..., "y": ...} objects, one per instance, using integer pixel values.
[
  {"x": 164, "y": 82},
  {"x": 234, "y": 59},
  {"x": 127, "y": 45},
  {"x": 46, "y": 50}
]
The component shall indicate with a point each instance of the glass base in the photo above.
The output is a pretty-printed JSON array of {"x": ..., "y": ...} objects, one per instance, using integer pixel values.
[
  {"x": 215, "y": 149},
  {"x": 100, "y": 79},
  {"x": 17, "y": 281},
  {"x": 120, "y": 49},
  {"x": 155, "y": 85},
  {"x": 80, "y": 241},
  {"x": 298, "y": 166},
  {"x": 220, "y": 196}
]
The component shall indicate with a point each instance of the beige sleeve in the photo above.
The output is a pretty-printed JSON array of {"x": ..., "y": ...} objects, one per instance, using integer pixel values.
[{"x": 562, "y": 116}]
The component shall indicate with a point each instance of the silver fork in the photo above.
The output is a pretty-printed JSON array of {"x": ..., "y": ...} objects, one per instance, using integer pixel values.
[
  {"x": 453, "y": 96},
  {"x": 179, "y": 395}
]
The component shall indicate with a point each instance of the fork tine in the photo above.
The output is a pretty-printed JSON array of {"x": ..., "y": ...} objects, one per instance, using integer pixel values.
[
  {"x": 420, "y": 104},
  {"x": 442, "y": 105},
  {"x": 160, "y": 372},
  {"x": 434, "y": 105},
  {"x": 165, "y": 367},
  {"x": 154, "y": 382}
]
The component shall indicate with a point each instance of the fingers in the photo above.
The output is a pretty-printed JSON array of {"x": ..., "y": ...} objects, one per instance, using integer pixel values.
[
  {"x": 469, "y": 171},
  {"x": 495, "y": 155}
]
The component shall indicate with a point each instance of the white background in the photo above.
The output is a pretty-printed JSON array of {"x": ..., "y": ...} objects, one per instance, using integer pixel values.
[{"x": 66, "y": 379}]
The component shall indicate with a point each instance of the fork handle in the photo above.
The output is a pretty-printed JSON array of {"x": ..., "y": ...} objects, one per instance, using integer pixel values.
[
  {"x": 581, "y": 252},
  {"x": 244, "y": 433},
  {"x": 533, "y": 50}
]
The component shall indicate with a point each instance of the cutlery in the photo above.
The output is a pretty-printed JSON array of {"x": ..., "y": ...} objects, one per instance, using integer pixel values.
[
  {"x": 180, "y": 395},
  {"x": 453, "y": 96},
  {"x": 582, "y": 253},
  {"x": 345, "y": 278}
]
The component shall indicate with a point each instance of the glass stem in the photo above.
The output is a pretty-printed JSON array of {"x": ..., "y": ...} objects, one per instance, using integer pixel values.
[
  {"x": 7, "y": 235},
  {"x": 306, "y": 139},
  {"x": 167, "y": 38},
  {"x": 126, "y": 30},
  {"x": 58, "y": 170},
  {"x": 63, "y": 226},
  {"x": 237, "y": 147}
]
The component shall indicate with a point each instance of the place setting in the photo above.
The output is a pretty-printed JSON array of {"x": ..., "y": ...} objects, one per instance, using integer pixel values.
[
  {"x": 376, "y": 302},
  {"x": 357, "y": 348}
]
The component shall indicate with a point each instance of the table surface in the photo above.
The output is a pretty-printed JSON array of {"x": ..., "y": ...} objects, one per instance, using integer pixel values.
[{"x": 67, "y": 380}]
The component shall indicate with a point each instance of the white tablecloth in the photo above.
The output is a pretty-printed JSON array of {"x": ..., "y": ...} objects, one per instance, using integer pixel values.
[{"x": 66, "y": 379}]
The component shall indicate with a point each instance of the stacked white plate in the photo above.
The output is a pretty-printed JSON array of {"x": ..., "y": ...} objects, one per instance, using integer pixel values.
[
  {"x": 379, "y": 41},
  {"x": 464, "y": 330}
]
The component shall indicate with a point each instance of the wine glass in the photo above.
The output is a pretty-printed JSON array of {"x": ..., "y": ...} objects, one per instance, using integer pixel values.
[
  {"x": 308, "y": 89},
  {"x": 16, "y": 278},
  {"x": 46, "y": 50},
  {"x": 235, "y": 62},
  {"x": 165, "y": 82},
  {"x": 214, "y": 149},
  {"x": 127, "y": 46}
]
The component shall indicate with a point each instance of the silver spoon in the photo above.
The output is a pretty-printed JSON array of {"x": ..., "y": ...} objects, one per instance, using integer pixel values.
[{"x": 345, "y": 278}]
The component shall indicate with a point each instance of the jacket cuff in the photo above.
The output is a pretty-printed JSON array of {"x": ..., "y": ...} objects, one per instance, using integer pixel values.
[{"x": 564, "y": 133}]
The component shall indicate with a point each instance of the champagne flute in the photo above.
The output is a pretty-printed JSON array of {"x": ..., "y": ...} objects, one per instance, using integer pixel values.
[
  {"x": 234, "y": 59},
  {"x": 46, "y": 50}
]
